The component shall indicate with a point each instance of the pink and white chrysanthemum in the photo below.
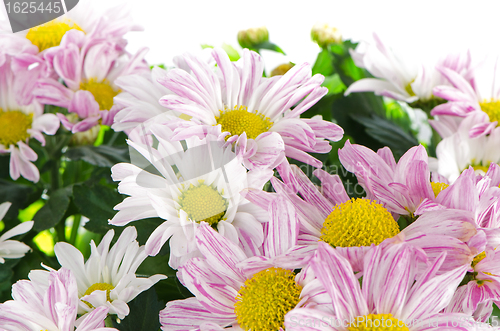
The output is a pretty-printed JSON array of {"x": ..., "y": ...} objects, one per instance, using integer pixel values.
[
  {"x": 352, "y": 225},
  {"x": 465, "y": 98},
  {"x": 396, "y": 79},
  {"x": 400, "y": 186},
  {"x": 138, "y": 103},
  {"x": 458, "y": 151},
  {"x": 107, "y": 278},
  {"x": 482, "y": 289},
  {"x": 185, "y": 187},
  {"x": 12, "y": 249},
  {"x": 252, "y": 113},
  {"x": 87, "y": 70},
  {"x": 50, "y": 307},
  {"x": 21, "y": 116},
  {"x": 375, "y": 302},
  {"x": 92, "y": 17},
  {"x": 234, "y": 291}
]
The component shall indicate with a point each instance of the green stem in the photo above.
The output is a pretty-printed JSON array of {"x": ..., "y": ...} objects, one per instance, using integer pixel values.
[
  {"x": 108, "y": 322},
  {"x": 74, "y": 229}
]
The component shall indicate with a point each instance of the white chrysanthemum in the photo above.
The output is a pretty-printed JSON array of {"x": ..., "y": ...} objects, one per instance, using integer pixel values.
[
  {"x": 187, "y": 187},
  {"x": 12, "y": 249},
  {"x": 108, "y": 277},
  {"x": 458, "y": 151}
]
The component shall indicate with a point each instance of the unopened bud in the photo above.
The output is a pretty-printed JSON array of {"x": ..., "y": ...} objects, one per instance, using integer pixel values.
[
  {"x": 85, "y": 137},
  {"x": 282, "y": 69},
  {"x": 252, "y": 37},
  {"x": 324, "y": 35}
]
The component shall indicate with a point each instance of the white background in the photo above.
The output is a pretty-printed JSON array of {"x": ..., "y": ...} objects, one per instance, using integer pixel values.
[{"x": 418, "y": 30}]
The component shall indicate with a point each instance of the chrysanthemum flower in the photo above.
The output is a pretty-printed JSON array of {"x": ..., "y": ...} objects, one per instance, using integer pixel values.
[
  {"x": 389, "y": 296},
  {"x": 396, "y": 79},
  {"x": 251, "y": 112},
  {"x": 21, "y": 117},
  {"x": 352, "y": 225},
  {"x": 50, "y": 307},
  {"x": 107, "y": 278},
  {"x": 232, "y": 291},
  {"x": 138, "y": 101},
  {"x": 187, "y": 187},
  {"x": 482, "y": 288},
  {"x": 459, "y": 151},
  {"x": 465, "y": 98},
  {"x": 87, "y": 16},
  {"x": 12, "y": 249},
  {"x": 88, "y": 69}
]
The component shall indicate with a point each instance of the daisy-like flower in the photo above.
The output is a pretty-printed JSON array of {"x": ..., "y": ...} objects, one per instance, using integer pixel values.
[
  {"x": 12, "y": 249},
  {"x": 375, "y": 303},
  {"x": 87, "y": 69},
  {"x": 465, "y": 98},
  {"x": 459, "y": 151},
  {"x": 21, "y": 116},
  {"x": 107, "y": 278},
  {"x": 50, "y": 307},
  {"x": 233, "y": 291},
  {"x": 201, "y": 183},
  {"x": 483, "y": 286},
  {"x": 396, "y": 79},
  {"x": 138, "y": 101},
  {"x": 86, "y": 16},
  {"x": 252, "y": 113},
  {"x": 352, "y": 225}
]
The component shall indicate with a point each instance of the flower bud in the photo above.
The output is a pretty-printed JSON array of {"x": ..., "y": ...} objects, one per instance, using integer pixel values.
[
  {"x": 252, "y": 37},
  {"x": 324, "y": 35},
  {"x": 282, "y": 69}
]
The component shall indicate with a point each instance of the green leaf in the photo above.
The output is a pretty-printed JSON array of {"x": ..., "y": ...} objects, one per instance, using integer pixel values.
[
  {"x": 231, "y": 52},
  {"x": 144, "y": 313},
  {"x": 17, "y": 194},
  {"x": 101, "y": 156},
  {"x": 204, "y": 46},
  {"x": 334, "y": 84},
  {"x": 269, "y": 46},
  {"x": 388, "y": 133},
  {"x": 96, "y": 202},
  {"x": 54, "y": 210},
  {"x": 323, "y": 64}
]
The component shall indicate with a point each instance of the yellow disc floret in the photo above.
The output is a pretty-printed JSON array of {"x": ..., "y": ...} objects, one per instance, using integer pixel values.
[
  {"x": 478, "y": 258},
  {"x": 14, "y": 126},
  {"x": 437, "y": 187},
  {"x": 264, "y": 300},
  {"x": 203, "y": 203},
  {"x": 377, "y": 322},
  {"x": 98, "y": 287},
  {"x": 358, "y": 222},
  {"x": 239, "y": 120},
  {"x": 492, "y": 108},
  {"x": 50, "y": 34},
  {"x": 102, "y": 91}
]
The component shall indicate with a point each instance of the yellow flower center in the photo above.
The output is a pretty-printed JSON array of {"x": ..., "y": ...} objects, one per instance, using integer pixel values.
[
  {"x": 14, "y": 127},
  {"x": 478, "y": 258},
  {"x": 103, "y": 92},
  {"x": 358, "y": 222},
  {"x": 239, "y": 120},
  {"x": 203, "y": 203},
  {"x": 264, "y": 300},
  {"x": 377, "y": 322},
  {"x": 50, "y": 34},
  {"x": 492, "y": 108},
  {"x": 438, "y": 187},
  {"x": 98, "y": 287}
]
